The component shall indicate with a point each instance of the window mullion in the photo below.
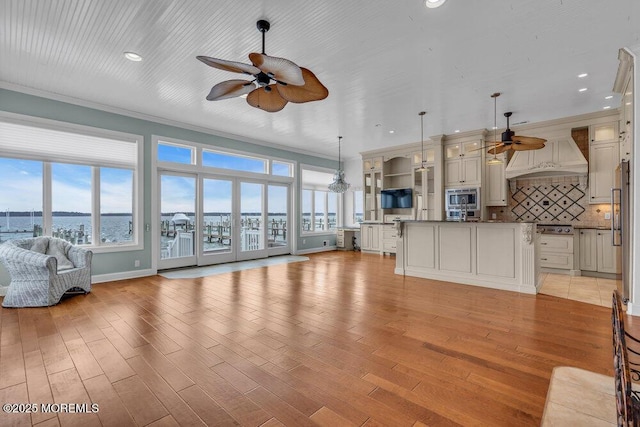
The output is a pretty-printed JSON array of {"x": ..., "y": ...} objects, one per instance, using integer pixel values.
[
  {"x": 95, "y": 206},
  {"x": 47, "y": 221}
]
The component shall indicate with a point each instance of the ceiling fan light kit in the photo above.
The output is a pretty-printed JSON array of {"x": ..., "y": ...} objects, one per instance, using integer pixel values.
[{"x": 277, "y": 81}]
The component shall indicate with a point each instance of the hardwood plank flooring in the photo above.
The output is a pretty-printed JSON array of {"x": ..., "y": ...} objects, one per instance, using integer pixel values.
[{"x": 336, "y": 340}]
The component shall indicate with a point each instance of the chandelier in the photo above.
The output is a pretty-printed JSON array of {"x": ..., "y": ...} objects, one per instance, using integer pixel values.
[{"x": 339, "y": 185}]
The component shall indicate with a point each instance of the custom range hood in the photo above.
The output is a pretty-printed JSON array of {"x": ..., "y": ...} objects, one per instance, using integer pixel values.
[{"x": 559, "y": 157}]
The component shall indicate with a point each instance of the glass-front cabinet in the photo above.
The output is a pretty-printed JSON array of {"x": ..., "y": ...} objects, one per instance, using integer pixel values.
[
  {"x": 423, "y": 184},
  {"x": 372, "y": 196}
]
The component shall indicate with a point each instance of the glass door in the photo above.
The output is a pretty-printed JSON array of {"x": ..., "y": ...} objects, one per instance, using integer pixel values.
[
  {"x": 177, "y": 220},
  {"x": 251, "y": 226},
  {"x": 278, "y": 219},
  {"x": 217, "y": 243}
]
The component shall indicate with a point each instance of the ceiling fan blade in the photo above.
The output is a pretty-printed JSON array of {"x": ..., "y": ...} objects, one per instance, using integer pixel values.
[
  {"x": 527, "y": 139},
  {"x": 500, "y": 148},
  {"x": 234, "y": 67},
  {"x": 488, "y": 145},
  {"x": 525, "y": 147},
  {"x": 269, "y": 101},
  {"x": 230, "y": 89},
  {"x": 312, "y": 90},
  {"x": 279, "y": 69}
]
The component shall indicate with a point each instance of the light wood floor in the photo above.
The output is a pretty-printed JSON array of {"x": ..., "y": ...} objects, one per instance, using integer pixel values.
[{"x": 338, "y": 340}]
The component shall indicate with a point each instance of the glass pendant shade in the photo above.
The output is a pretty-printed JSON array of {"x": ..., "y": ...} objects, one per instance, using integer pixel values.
[{"x": 339, "y": 185}]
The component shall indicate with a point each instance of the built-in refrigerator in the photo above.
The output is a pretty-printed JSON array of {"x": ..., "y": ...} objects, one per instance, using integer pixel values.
[{"x": 620, "y": 225}]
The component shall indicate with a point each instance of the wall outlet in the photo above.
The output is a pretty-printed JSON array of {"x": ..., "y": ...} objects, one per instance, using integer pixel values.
[
  {"x": 494, "y": 216},
  {"x": 136, "y": 263},
  {"x": 607, "y": 215},
  {"x": 325, "y": 242}
]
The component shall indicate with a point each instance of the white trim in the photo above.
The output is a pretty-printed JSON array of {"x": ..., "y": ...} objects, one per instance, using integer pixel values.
[
  {"x": 122, "y": 275},
  {"x": 155, "y": 119},
  {"x": 316, "y": 250}
]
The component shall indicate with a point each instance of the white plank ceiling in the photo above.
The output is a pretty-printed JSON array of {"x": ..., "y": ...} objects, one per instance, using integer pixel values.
[{"x": 382, "y": 61}]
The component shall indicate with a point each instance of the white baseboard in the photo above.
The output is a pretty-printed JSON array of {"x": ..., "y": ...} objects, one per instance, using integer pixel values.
[
  {"x": 316, "y": 250},
  {"x": 101, "y": 278},
  {"x": 3, "y": 290}
]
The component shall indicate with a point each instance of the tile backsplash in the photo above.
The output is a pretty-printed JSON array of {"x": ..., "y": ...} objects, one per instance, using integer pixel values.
[{"x": 559, "y": 200}]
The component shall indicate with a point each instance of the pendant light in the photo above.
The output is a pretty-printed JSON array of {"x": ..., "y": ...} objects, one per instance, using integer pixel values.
[
  {"x": 339, "y": 185},
  {"x": 421, "y": 114},
  {"x": 495, "y": 160}
]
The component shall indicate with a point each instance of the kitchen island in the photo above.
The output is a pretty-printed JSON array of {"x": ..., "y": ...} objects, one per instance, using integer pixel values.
[{"x": 500, "y": 255}]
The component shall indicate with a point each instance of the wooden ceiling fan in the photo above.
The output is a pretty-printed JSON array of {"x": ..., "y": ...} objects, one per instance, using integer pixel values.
[
  {"x": 511, "y": 141},
  {"x": 279, "y": 81}
]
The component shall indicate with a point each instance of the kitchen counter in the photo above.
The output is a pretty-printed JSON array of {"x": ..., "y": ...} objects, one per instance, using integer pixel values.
[{"x": 500, "y": 255}]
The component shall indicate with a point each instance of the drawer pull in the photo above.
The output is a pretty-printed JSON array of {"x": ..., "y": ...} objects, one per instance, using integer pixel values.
[
  {"x": 543, "y": 259},
  {"x": 542, "y": 243}
]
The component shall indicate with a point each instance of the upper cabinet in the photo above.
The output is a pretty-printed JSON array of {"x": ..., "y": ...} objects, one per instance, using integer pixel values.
[
  {"x": 606, "y": 132},
  {"x": 604, "y": 156},
  {"x": 372, "y": 164},
  {"x": 624, "y": 85},
  {"x": 494, "y": 187},
  {"x": 463, "y": 163},
  {"x": 397, "y": 171}
]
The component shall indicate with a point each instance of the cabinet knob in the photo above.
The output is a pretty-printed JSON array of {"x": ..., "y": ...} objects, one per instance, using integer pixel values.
[{"x": 543, "y": 259}]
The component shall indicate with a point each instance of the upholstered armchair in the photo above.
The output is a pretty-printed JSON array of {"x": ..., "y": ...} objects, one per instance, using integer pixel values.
[{"x": 43, "y": 269}]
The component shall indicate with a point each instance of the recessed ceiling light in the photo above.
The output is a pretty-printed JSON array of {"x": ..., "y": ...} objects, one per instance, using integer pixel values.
[
  {"x": 457, "y": 130},
  {"x": 583, "y": 75},
  {"x": 494, "y": 127},
  {"x": 608, "y": 97},
  {"x": 628, "y": 103},
  {"x": 432, "y": 4},
  {"x": 607, "y": 107},
  {"x": 392, "y": 131},
  {"x": 132, "y": 56},
  {"x": 584, "y": 89}
]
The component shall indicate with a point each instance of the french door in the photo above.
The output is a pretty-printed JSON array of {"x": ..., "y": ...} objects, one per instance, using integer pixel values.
[{"x": 210, "y": 219}]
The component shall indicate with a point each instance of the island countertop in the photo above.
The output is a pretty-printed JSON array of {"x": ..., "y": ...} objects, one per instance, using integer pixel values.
[{"x": 501, "y": 255}]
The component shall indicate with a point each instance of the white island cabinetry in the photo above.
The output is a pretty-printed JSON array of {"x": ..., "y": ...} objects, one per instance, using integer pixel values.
[{"x": 494, "y": 255}]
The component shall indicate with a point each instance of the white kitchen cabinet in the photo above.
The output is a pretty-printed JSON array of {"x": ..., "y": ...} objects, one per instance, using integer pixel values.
[
  {"x": 397, "y": 172},
  {"x": 372, "y": 164},
  {"x": 628, "y": 117},
  {"x": 389, "y": 238},
  {"x": 606, "y": 254},
  {"x": 556, "y": 251},
  {"x": 588, "y": 252},
  {"x": 604, "y": 157},
  {"x": 424, "y": 192},
  {"x": 605, "y": 132},
  {"x": 372, "y": 181},
  {"x": 429, "y": 156},
  {"x": 370, "y": 237},
  {"x": 463, "y": 164},
  {"x": 597, "y": 254},
  {"x": 494, "y": 188}
]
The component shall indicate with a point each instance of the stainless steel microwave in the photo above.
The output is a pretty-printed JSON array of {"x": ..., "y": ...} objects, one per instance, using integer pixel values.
[{"x": 462, "y": 198}]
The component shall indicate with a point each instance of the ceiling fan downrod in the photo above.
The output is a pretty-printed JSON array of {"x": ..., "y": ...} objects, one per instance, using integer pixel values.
[{"x": 263, "y": 26}]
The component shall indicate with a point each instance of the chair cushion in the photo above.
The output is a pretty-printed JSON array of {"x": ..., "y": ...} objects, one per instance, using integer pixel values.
[
  {"x": 56, "y": 248},
  {"x": 40, "y": 245}
]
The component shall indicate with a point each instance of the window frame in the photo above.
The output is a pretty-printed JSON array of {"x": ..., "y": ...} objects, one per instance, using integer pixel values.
[
  {"x": 137, "y": 203},
  {"x": 313, "y": 189}
]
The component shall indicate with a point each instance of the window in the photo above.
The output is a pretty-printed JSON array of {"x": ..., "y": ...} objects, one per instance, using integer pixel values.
[
  {"x": 233, "y": 161},
  {"x": 281, "y": 168},
  {"x": 358, "y": 208},
  {"x": 319, "y": 206},
  {"x": 176, "y": 153},
  {"x": 72, "y": 182}
]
